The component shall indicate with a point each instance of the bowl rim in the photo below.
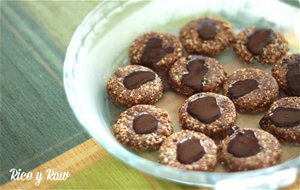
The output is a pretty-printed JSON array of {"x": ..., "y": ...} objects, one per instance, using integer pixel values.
[{"x": 72, "y": 60}]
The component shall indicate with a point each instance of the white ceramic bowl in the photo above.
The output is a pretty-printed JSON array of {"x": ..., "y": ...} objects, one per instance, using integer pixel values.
[{"x": 100, "y": 44}]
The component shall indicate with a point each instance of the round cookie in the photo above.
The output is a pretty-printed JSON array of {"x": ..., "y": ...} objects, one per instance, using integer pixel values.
[
  {"x": 188, "y": 150},
  {"x": 261, "y": 44},
  {"x": 249, "y": 149},
  {"x": 208, "y": 113},
  {"x": 196, "y": 73},
  {"x": 287, "y": 74},
  {"x": 143, "y": 127},
  {"x": 251, "y": 90},
  {"x": 155, "y": 50},
  {"x": 134, "y": 84},
  {"x": 283, "y": 120},
  {"x": 206, "y": 36}
]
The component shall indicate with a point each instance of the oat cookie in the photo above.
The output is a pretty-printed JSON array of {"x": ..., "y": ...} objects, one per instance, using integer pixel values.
[
  {"x": 287, "y": 74},
  {"x": 208, "y": 113},
  {"x": 134, "y": 84},
  {"x": 188, "y": 150},
  {"x": 251, "y": 90},
  {"x": 206, "y": 36},
  {"x": 249, "y": 149},
  {"x": 143, "y": 127},
  {"x": 262, "y": 44},
  {"x": 196, "y": 73},
  {"x": 157, "y": 51},
  {"x": 283, "y": 120}
]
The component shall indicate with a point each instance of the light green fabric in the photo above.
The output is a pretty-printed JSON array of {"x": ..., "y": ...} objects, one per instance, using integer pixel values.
[{"x": 37, "y": 123}]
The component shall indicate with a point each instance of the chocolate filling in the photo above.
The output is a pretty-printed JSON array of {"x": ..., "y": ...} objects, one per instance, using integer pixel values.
[
  {"x": 242, "y": 87},
  {"x": 259, "y": 39},
  {"x": 190, "y": 150},
  {"x": 145, "y": 123},
  {"x": 154, "y": 52},
  {"x": 282, "y": 117},
  {"x": 138, "y": 78},
  {"x": 244, "y": 144},
  {"x": 293, "y": 76},
  {"x": 285, "y": 117},
  {"x": 207, "y": 29},
  {"x": 205, "y": 109},
  {"x": 195, "y": 76}
]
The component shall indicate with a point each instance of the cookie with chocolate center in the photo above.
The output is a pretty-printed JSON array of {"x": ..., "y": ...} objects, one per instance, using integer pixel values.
[
  {"x": 206, "y": 36},
  {"x": 134, "y": 84},
  {"x": 208, "y": 113},
  {"x": 157, "y": 51},
  {"x": 249, "y": 149},
  {"x": 261, "y": 44},
  {"x": 251, "y": 90},
  {"x": 287, "y": 74},
  {"x": 189, "y": 150},
  {"x": 143, "y": 127},
  {"x": 283, "y": 120},
  {"x": 195, "y": 73}
]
